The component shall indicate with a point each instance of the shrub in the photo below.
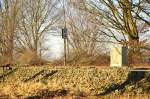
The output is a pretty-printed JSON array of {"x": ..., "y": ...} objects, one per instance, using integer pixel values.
[
  {"x": 29, "y": 57},
  {"x": 4, "y": 60}
]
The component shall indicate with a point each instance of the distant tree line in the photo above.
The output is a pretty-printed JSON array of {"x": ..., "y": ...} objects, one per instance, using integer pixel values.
[
  {"x": 23, "y": 26},
  {"x": 91, "y": 24}
]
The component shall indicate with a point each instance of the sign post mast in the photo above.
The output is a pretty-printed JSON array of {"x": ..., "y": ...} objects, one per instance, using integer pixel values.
[{"x": 65, "y": 36}]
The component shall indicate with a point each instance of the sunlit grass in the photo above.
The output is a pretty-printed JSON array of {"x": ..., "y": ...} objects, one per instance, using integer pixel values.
[{"x": 77, "y": 81}]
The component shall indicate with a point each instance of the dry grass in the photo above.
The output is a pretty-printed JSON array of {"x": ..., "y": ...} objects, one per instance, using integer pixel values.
[
  {"x": 21, "y": 90},
  {"x": 144, "y": 96},
  {"x": 83, "y": 82}
]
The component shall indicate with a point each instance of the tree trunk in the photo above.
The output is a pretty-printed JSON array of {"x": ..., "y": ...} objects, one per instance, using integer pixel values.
[{"x": 134, "y": 51}]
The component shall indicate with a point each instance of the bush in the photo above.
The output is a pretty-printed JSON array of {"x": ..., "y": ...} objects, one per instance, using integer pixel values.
[
  {"x": 84, "y": 59},
  {"x": 4, "y": 60},
  {"x": 29, "y": 57}
]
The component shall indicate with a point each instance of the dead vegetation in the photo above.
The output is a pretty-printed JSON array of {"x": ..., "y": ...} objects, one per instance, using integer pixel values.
[
  {"x": 25, "y": 25},
  {"x": 73, "y": 81}
]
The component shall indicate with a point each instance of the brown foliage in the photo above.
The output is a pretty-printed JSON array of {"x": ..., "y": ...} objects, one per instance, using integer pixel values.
[{"x": 30, "y": 57}]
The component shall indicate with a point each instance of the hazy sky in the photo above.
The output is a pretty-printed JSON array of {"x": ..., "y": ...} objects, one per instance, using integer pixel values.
[{"x": 56, "y": 47}]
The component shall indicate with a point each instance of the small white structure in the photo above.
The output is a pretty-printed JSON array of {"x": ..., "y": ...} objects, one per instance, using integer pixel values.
[{"x": 118, "y": 56}]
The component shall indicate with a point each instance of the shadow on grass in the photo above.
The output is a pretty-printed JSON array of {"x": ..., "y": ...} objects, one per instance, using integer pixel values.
[
  {"x": 133, "y": 77},
  {"x": 7, "y": 73},
  {"x": 33, "y": 76},
  {"x": 46, "y": 94},
  {"x": 40, "y": 73}
]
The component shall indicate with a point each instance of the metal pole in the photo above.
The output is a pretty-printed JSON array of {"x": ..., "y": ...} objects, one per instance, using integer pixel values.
[
  {"x": 65, "y": 39},
  {"x": 65, "y": 54},
  {"x": 67, "y": 48}
]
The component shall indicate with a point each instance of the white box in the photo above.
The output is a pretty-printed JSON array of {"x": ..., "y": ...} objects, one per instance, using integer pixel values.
[{"x": 118, "y": 56}]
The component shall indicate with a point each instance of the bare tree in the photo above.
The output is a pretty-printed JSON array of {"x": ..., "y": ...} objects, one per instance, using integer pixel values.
[
  {"x": 37, "y": 19},
  {"x": 79, "y": 32},
  {"x": 84, "y": 38},
  {"x": 120, "y": 20},
  {"x": 8, "y": 24}
]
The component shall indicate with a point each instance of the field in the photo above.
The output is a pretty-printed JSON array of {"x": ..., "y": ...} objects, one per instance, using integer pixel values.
[{"x": 48, "y": 82}]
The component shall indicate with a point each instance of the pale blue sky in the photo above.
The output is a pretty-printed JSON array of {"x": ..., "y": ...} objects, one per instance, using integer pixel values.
[{"x": 55, "y": 45}]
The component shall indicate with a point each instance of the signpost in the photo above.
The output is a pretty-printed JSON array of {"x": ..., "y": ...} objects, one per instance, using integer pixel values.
[
  {"x": 64, "y": 33},
  {"x": 65, "y": 37}
]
